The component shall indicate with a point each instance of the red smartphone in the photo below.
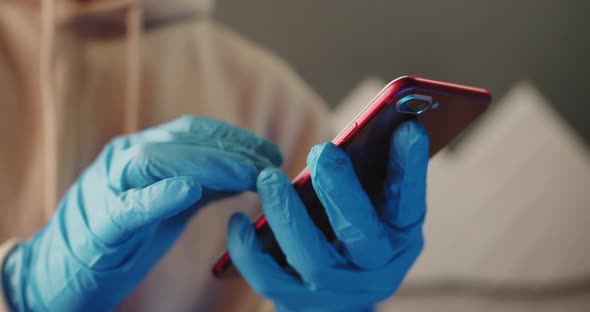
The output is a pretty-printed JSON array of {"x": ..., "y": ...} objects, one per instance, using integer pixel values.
[{"x": 445, "y": 110}]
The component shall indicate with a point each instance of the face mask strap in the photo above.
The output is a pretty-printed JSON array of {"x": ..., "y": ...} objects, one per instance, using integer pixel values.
[
  {"x": 53, "y": 14},
  {"x": 134, "y": 23}
]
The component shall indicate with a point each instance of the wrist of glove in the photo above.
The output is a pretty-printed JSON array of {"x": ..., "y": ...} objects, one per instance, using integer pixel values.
[{"x": 127, "y": 209}]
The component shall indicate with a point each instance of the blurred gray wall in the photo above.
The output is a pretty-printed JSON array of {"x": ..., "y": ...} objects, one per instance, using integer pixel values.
[{"x": 489, "y": 43}]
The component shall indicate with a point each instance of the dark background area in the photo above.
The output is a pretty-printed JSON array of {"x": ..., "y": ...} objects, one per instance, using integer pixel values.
[{"x": 493, "y": 44}]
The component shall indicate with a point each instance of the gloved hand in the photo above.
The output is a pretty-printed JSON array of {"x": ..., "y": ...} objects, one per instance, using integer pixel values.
[
  {"x": 127, "y": 209},
  {"x": 377, "y": 246}
]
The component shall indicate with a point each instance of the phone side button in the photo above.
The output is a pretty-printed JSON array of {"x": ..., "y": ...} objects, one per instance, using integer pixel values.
[{"x": 349, "y": 131}]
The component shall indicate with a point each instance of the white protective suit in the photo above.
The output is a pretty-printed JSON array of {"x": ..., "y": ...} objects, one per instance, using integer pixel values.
[{"x": 73, "y": 74}]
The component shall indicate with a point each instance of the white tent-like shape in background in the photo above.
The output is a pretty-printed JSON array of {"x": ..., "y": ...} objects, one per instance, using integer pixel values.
[{"x": 509, "y": 213}]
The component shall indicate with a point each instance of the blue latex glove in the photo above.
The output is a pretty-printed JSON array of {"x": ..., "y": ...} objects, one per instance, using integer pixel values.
[
  {"x": 377, "y": 246},
  {"x": 127, "y": 209}
]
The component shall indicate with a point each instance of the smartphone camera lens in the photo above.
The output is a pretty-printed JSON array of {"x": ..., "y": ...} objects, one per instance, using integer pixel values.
[{"x": 413, "y": 104}]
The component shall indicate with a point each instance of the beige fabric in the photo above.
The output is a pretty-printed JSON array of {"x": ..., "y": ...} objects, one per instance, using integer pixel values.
[{"x": 192, "y": 66}]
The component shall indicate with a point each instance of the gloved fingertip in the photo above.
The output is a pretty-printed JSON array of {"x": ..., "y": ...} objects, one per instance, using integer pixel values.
[
  {"x": 237, "y": 220},
  {"x": 273, "y": 152},
  {"x": 313, "y": 155},
  {"x": 333, "y": 154},
  {"x": 327, "y": 154},
  {"x": 240, "y": 232},
  {"x": 186, "y": 185},
  {"x": 271, "y": 186},
  {"x": 270, "y": 176},
  {"x": 275, "y": 192},
  {"x": 407, "y": 136},
  {"x": 412, "y": 132}
]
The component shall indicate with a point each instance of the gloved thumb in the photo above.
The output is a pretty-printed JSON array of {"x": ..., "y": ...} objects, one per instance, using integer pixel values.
[
  {"x": 405, "y": 189},
  {"x": 139, "y": 207}
]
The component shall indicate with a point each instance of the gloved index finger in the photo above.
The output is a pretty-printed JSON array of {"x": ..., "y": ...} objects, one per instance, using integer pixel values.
[
  {"x": 349, "y": 209},
  {"x": 203, "y": 131},
  {"x": 143, "y": 165}
]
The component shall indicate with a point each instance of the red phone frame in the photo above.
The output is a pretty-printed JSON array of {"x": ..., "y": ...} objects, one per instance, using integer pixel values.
[{"x": 363, "y": 119}]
